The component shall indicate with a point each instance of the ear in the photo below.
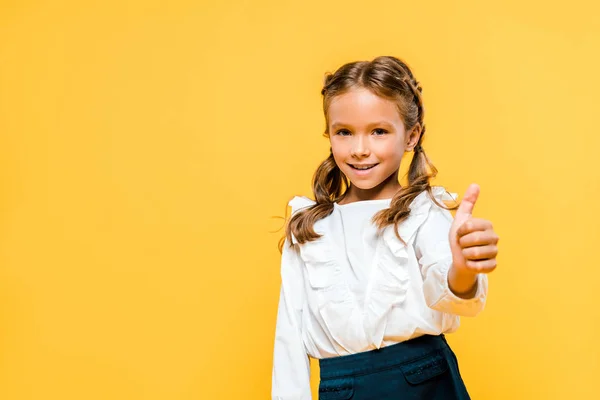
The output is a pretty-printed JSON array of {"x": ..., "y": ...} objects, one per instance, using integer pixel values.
[{"x": 413, "y": 136}]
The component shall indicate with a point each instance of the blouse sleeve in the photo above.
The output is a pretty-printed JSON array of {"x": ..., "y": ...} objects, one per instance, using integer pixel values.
[
  {"x": 291, "y": 366},
  {"x": 435, "y": 258}
]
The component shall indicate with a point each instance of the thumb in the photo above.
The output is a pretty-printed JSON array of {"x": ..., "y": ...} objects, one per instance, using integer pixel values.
[{"x": 468, "y": 202}]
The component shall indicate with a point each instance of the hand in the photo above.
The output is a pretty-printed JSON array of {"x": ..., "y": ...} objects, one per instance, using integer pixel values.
[{"x": 472, "y": 240}]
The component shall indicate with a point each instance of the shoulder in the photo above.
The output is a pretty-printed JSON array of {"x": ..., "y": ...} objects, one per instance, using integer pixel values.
[
  {"x": 300, "y": 202},
  {"x": 424, "y": 201},
  {"x": 423, "y": 211}
]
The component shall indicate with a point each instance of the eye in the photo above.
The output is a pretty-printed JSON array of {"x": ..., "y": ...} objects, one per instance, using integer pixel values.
[
  {"x": 380, "y": 131},
  {"x": 343, "y": 132}
]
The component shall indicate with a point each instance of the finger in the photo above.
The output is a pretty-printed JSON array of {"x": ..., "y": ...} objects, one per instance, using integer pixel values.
[
  {"x": 480, "y": 252},
  {"x": 483, "y": 266},
  {"x": 474, "y": 224},
  {"x": 468, "y": 203},
  {"x": 478, "y": 238}
]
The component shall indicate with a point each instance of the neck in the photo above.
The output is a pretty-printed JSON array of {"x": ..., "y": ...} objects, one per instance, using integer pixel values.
[{"x": 385, "y": 190}]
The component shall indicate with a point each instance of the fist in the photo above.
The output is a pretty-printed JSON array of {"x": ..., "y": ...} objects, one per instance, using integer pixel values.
[{"x": 473, "y": 242}]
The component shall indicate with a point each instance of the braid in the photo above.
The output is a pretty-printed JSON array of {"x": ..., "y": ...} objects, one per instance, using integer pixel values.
[
  {"x": 326, "y": 81},
  {"x": 417, "y": 90}
]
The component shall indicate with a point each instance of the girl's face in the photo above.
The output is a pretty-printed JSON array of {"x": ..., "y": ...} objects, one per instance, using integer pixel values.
[{"x": 366, "y": 131}]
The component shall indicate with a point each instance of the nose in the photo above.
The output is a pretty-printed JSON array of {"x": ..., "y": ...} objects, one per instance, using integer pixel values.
[{"x": 359, "y": 147}]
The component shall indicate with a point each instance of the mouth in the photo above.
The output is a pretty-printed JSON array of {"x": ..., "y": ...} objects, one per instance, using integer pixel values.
[
  {"x": 363, "y": 167},
  {"x": 362, "y": 170}
]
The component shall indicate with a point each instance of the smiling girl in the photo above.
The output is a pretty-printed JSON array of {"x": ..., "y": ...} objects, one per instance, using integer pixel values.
[{"x": 375, "y": 273}]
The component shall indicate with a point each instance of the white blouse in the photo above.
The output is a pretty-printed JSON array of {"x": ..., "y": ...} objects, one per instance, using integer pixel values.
[{"x": 353, "y": 290}]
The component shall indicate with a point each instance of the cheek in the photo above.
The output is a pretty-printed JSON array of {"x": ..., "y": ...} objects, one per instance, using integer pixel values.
[
  {"x": 392, "y": 152},
  {"x": 339, "y": 151}
]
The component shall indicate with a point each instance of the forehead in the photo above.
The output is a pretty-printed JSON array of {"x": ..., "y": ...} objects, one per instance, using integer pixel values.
[{"x": 361, "y": 106}]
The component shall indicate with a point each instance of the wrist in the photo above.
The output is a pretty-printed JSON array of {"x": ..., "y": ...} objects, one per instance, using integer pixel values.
[{"x": 462, "y": 283}]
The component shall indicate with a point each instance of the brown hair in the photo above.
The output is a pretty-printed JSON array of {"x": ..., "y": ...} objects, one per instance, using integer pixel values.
[{"x": 392, "y": 79}]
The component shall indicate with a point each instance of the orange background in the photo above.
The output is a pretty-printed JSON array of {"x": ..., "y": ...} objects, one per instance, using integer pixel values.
[{"x": 145, "y": 145}]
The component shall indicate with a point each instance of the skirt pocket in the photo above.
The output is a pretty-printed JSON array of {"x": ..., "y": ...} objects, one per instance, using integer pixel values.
[
  {"x": 336, "y": 389},
  {"x": 424, "y": 369}
]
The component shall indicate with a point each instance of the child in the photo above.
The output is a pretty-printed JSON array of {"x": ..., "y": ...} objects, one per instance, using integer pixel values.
[{"x": 375, "y": 273}]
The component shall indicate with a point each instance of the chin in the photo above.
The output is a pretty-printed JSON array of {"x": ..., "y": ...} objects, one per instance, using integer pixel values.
[{"x": 365, "y": 185}]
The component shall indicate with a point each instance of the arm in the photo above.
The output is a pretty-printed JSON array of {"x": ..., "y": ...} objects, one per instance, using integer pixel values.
[
  {"x": 291, "y": 367},
  {"x": 433, "y": 251}
]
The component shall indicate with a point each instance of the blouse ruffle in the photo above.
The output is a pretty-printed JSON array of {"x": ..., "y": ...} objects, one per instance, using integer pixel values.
[{"x": 390, "y": 281}]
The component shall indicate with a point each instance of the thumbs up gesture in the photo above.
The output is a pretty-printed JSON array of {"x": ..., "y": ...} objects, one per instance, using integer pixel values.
[{"x": 473, "y": 242}]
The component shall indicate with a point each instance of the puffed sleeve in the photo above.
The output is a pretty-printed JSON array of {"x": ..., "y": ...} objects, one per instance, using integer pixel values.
[
  {"x": 432, "y": 248},
  {"x": 291, "y": 366}
]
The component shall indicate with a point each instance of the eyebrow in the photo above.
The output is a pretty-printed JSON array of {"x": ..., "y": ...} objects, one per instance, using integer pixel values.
[{"x": 372, "y": 124}]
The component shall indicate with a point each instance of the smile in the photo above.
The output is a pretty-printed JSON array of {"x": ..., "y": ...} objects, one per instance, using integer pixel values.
[{"x": 363, "y": 167}]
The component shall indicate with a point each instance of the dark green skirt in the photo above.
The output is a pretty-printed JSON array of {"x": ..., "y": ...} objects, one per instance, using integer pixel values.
[{"x": 424, "y": 368}]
